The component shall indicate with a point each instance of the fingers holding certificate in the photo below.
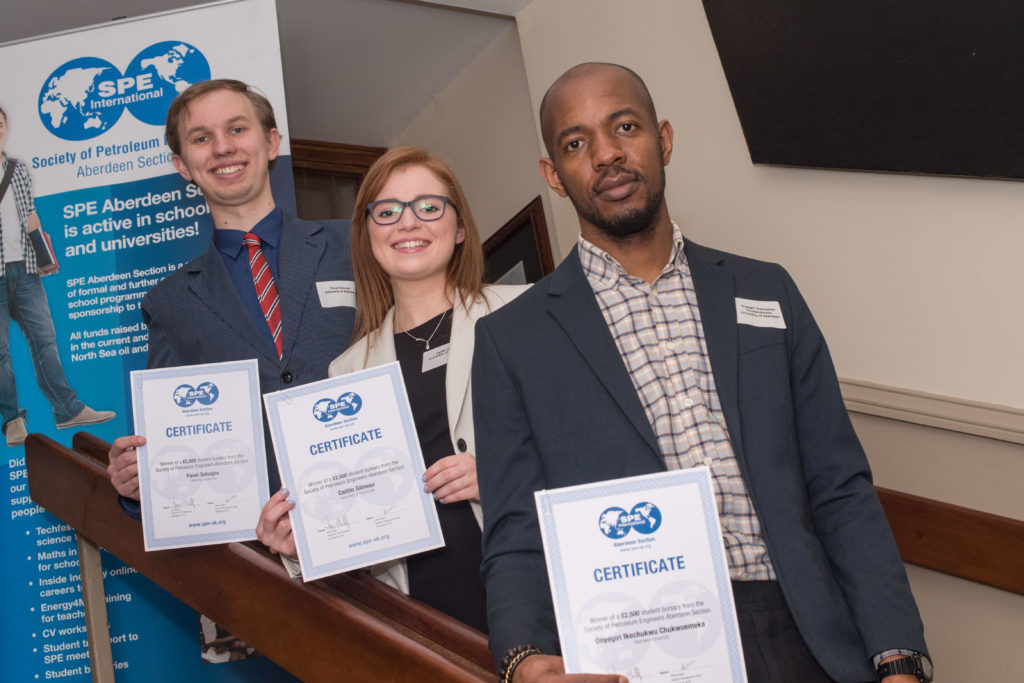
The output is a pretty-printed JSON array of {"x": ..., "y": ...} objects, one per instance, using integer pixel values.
[
  {"x": 348, "y": 453},
  {"x": 202, "y": 473}
]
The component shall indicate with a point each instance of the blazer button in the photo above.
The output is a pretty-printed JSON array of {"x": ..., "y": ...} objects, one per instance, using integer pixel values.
[
  {"x": 461, "y": 445},
  {"x": 286, "y": 377}
]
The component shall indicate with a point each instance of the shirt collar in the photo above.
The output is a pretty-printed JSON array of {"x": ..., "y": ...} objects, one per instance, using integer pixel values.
[
  {"x": 601, "y": 267},
  {"x": 229, "y": 242}
]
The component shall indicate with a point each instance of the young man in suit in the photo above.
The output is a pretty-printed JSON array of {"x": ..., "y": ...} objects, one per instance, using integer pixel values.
[
  {"x": 225, "y": 140},
  {"x": 645, "y": 351}
]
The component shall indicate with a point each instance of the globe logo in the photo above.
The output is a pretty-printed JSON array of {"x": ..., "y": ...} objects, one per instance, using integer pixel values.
[
  {"x": 609, "y": 523},
  {"x": 69, "y": 103},
  {"x": 171, "y": 66},
  {"x": 85, "y": 97},
  {"x": 326, "y": 409},
  {"x": 615, "y": 522},
  {"x": 205, "y": 394}
]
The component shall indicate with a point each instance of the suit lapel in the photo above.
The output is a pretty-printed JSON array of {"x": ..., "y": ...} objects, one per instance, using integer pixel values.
[
  {"x": 382, "y": 351},
  {"x": 302, "y": 246},
  {"x": 572, "y": 303},
  {"x": 460, "y": 357},
  {"x": 210, "y": 283},
  {"x": 716, "y": 299}
]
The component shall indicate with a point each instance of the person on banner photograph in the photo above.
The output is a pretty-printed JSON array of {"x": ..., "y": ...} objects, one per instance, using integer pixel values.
[
  {"x": 25, "y": 257},
  {"x": 417, "y": 255},
  {"x": 645, "y": 352}
]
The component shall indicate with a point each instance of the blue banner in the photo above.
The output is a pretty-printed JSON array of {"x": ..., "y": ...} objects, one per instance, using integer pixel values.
[{"x": 85, "y": 114}]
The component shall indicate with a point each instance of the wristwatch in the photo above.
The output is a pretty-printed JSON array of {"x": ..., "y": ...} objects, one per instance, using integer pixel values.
[{"x": 917, "y": 665}]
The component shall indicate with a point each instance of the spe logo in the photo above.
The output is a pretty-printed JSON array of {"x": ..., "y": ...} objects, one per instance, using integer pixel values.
[
  {"x": 326, "y": 409},
  {"x": 206, "y": 394},
  {"x": 615, "y": 522},
  {"x": 85, "y": 97}
]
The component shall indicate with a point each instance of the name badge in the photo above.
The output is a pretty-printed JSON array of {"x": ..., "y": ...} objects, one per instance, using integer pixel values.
[
  {"x": 435, "y": 357},
  {"x": 759, "y": 313},
  {"x": 335, "y": 293}
]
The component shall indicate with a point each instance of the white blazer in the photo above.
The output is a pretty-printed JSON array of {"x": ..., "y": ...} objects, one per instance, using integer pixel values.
[{"x": 378, "y": 348}]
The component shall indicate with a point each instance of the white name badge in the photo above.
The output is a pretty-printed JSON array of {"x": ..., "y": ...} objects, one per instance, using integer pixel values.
[
  {"x": 335, "y": 293},
  {"x": 435, "y": 358},
  {"x": 759, "y": 313}
]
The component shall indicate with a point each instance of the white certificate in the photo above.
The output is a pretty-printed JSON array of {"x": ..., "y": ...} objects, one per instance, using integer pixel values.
[
  {"x": 349, "y": 456},
  {"x": 203, "y": 470},
  {"x": 639, "y": 579}
]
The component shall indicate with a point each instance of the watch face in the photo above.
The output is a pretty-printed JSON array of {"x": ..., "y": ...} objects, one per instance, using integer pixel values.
[{"x": 925, "y": 665}]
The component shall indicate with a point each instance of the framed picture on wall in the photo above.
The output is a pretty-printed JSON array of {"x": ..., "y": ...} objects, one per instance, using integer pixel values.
[{"x": 520, "y": 252}]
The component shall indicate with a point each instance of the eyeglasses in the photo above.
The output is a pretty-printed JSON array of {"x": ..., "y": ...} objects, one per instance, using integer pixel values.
[{"x": 427, "y": 207}]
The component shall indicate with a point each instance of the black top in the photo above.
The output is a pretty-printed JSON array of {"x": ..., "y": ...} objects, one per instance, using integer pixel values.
[{"x": 447, "y": 578}]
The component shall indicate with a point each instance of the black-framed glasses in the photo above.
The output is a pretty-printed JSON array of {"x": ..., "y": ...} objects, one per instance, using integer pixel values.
[{"x": 427, "y": 207}]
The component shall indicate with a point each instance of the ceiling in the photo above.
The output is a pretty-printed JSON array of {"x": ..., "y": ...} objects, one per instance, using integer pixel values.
[{"x": 337, "y": 68}]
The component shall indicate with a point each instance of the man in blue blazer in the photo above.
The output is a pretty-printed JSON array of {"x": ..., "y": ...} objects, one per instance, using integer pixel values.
[
  {"x": 644, "y": 351},
  {"x": 225, "y": 140}
]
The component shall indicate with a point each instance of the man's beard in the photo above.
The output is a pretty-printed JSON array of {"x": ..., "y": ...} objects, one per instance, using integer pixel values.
[{"x": 625, "y": 225}]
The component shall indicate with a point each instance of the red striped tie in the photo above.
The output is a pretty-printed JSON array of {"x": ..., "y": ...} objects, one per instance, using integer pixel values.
[{"x": 266, "y": 290}]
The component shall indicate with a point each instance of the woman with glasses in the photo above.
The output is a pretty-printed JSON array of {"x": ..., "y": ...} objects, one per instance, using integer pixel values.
[{"x": 418, "y": 266}]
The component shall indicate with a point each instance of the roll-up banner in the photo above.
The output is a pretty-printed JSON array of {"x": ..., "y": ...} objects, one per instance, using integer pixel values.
[{"x": 85, "y": 115}]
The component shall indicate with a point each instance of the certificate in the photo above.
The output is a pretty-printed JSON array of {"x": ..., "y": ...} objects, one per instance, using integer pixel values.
[
  {"x": 349, "y": 455},
  {"x": 639, "y": 578},
  {"x": 203, "y": 470}
]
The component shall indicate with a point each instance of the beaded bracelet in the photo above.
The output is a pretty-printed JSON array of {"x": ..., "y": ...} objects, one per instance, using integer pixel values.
[{"x": 514, "y": 658}]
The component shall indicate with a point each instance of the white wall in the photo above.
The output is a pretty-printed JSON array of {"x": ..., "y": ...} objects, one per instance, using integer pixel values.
[
  {"x": 916, "y": 281},
  {"x": 479, "y": 124}
]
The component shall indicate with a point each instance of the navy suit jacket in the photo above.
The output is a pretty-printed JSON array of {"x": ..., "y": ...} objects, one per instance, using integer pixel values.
[
  {"x": 195, "y": 315},
  {"x": 554, "y": 406}
]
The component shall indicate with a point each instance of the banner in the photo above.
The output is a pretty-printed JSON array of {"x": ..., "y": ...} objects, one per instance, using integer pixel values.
[{"x": 85, "y": 114}]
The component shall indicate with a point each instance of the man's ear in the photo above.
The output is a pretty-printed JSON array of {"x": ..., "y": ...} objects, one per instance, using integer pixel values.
[
  {"x": 665, "y": 134},
  {"x": 274, "y": 140},
  {"x": 180, "y": 165},
  {"x": 550, "y": 175}
]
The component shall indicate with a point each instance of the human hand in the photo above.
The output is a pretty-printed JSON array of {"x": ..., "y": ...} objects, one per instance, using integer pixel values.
[
  {"x": 550, "y": 669},
  {"x": 274, "y": 528},
  {"x": 123, "y": 465},
  {"x": 453, "y": 478}
]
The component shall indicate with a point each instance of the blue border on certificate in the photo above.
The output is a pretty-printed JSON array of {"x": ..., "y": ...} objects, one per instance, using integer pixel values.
[
  {"x": 648, "y": 482},
  {"x": 433, "y": 539},
  {"x": 251, "y": 368}
]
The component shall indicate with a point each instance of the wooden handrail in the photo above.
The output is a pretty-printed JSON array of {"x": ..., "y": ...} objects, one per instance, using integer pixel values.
[
  {"x": 354, "y": 625},
  {"x": 955, "y": 540},
  {"x": 349, "y": 627}
]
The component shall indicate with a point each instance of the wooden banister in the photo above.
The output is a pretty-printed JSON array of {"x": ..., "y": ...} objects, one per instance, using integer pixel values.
[
  {"x": 955, "y": 540},
  {"x": 355, "y": 627},
  {"x": 347, "y": 627}
]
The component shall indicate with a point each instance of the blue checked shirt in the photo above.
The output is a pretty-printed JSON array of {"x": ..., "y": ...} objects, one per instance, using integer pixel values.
[
  {"x": 658, "y": 332},
  {"x": 21, "y": 190}
]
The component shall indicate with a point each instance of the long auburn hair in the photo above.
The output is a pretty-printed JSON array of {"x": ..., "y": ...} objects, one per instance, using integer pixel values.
[{"x": 374, "y": 295}]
